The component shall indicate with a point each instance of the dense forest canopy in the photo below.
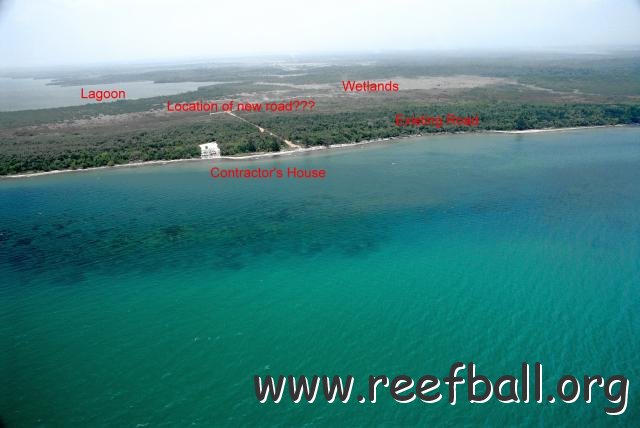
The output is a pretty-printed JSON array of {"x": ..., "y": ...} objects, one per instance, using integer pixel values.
[{"x": 524, "y": 92}]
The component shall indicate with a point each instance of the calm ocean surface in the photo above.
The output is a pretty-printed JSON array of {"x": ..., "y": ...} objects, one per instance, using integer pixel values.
[{"x": 151, "y": 296}]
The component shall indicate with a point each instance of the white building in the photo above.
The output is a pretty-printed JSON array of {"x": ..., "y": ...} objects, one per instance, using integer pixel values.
[{"x": 209, "y": 150}]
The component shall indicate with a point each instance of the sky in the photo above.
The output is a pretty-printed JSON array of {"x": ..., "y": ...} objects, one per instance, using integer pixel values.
[{"x": 74, "y": 32}]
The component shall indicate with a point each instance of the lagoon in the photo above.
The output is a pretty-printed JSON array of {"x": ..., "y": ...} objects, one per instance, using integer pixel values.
[{"x": 25, "y": 94}]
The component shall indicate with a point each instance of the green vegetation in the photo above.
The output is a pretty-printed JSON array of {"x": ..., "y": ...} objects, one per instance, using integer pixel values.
[
  {"x": 82, "y": 150},
  {"x": 547, "y": 92},
  {"x": 357, "y": 126},
  {"x": 85, "y": 150}
]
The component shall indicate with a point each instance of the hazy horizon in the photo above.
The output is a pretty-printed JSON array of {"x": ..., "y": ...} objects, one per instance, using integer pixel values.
[
  {"x": 70, "y": 33},
  {"x": 8, "y": 70}
]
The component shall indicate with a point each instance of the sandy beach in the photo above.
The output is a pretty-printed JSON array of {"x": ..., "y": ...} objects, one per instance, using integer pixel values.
[
  {"x": 535, "y": 131},
  {"x": 295, "y": 151}
]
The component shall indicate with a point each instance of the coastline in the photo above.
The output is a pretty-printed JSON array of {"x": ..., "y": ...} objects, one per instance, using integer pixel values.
[
  {"x": 536, "y": 131},
  {"x": 122, "y": 165},
  {"x": 297, "y": 151}
]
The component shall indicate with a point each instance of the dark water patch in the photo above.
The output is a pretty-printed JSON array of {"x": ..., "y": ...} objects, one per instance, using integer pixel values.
[
  {"x": 174, "y": 232},
  {"x": 24, "y": 260},
  {"x": 119, "y": 243},
  {"x": 281, "y": 215},
  {"x": 111, "y": 246},
  {"x": 23, "y": 242},
  {"x": 5, "y": 235},
  {"x": 103, "y": 233},
  {"x": 229, "y": 244}
]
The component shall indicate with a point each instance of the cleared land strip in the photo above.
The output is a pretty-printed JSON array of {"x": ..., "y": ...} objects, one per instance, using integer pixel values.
[{"x": 263, "y": 130}]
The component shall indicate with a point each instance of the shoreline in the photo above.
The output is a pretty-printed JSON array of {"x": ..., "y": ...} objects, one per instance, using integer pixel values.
[
  {"x": 536, "y": 131},
  {"x": 297, "y": 151}
]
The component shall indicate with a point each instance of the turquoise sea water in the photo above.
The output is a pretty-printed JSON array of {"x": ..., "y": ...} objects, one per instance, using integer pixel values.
[{"x": 151, "y": 296}]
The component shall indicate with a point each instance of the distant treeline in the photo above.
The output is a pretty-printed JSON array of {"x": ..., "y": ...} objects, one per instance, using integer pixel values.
[
  {"x": 613, "y": 74},
  {"x": 44, "y": 152},
  {"x": 14, "y": 119},
  {"x": 356, "y": 126}
]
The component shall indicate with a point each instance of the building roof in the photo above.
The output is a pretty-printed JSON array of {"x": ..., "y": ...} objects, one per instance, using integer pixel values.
[{"x": 208, "y": 145}]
